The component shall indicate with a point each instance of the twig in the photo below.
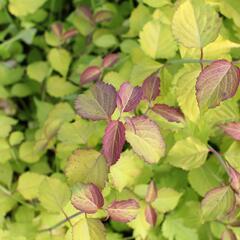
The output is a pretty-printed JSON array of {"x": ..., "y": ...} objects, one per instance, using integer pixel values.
[
  {"x": 220, "y": 158},
  {"x": 60, "y": 223}
]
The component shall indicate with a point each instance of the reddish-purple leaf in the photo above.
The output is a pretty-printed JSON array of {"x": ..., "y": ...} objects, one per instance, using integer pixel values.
[
  {"x": 151, "y": 87},
  {"x": 90, "y": 74},
  {"x": 110, "y": 60},
  {"x": 152, "y": 192},
  {"x": 172, "y": 114},
  {"x": 151, "y": 215},
  {"x": 123, "y": 211},
  {"x": 128, "y": 97},
  {"x": 87, "y": 198},
  {"x": 217, "y": 82},
  {"x": 70, "y": 33},
  {"x": 97, "y": 104},
  {"x": 113, "y": 141},
  {"x": 57, "y": 29},
  {"x": 145, "y": 138},
  {"x": 232, "y": 129},
  {"x": 235, "y": 179},
  {"x": 103, "y": 16},
  {"x": 86, "y": 12},
  {"x": 228, "y": 234}
]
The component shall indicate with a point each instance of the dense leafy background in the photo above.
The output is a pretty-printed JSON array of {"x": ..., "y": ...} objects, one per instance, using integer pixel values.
[{"x": 62, "y": 137}]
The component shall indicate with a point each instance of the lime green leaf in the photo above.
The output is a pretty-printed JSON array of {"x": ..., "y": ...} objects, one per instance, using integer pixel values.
[
  {"x": 157, "y": 41},
  {"x": 167, "y": 200},
  {"x": 156, "y": 3},
  {"x": 38, "y": 70},
  {"x": 125, "y": 172},
  {"x": 22, "y": 8},
  {"x": 195, "y": 24},
  {"x": 188, "y": 153},
  {"x": 10, "y": 75},
  {"x": 54, "y": 194},
  {"x": 5, "y": 150},
  {"x": 7, "y": 203},
  {"x": 104, "y": 39},
  {"x": 89, "y": 229},
  {"x": 60, "y": 60},
  {"x": 28, "y": 184},
  {"x": 6, "y": 174},
  {"x": 232, "y": 155},
  {"x": 217, "y": 203},
  {"x": 28, "y": 153},
  {"x": 86, "y": 166},
  {"x": 59, "y": 87},
  {"x": 16, "y": 138}
]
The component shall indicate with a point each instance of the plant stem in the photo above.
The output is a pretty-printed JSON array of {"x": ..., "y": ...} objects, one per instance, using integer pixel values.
[
  {"x": 201, "y": 58},
  {"x": 220, "y": 158},
  {"x": 60, "y": 223}
]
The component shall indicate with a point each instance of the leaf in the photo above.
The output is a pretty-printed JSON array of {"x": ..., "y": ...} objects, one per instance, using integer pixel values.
[
  {"x": 60, "y": 60},
  {"x": 5, "y": 150},
  {"x": 228, "y": 234},
  {"x": 232, "y": 155},
  {"x": 188, "y": 153},
  {"x": 110, "y": 60},
  {"x": 195, "y": 24},
  {"x": 113, "y": 141},
  {"x": 156, "y": 3},
  {"x": 172, "y": 114},
  {"x": 232, "y": 129},
  {"x": 128, "y": 97},
  {"x": 152, "y": 192},
  {"x": 6, "y": 174},
  {"x": 97, "y": 104},
  {"x": 123, "y": 211},
  {"x": 87, "y": 198},
  {"x": 217, "y": 82},
  {"x": 86, "y": 166},
  {"x": 38, "y": 70},
  {"x": 151, "y": 87},
  {"x": 89, "y": 229},
  {"x": 54, "y": 194},
  {"x": 28, "y": 153},
  {"x": 167, "y": 199},
  {"x": 90, "y": 74},
  {"x": 151, "y": 215},
  {"x": 145, "y": 138},
  {"x": 125, "y": 172},
  {"x": 59, "y": 87},
  {"x": 22, "y": 8},
  {"x": 16, "y": 138},
  {"x": 157, "y": 41},
  {"x": 28, "y": 184},
  {"x": 217, "y": 203}
]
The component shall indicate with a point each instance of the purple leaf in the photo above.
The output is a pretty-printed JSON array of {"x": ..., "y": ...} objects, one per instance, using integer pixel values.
[
  {"x": 235, "y": 179},
  {"x": 113, "y": 141},
  {"x": 90, "y": 74},
  {"x": 128, "y": 97},
  {"x": 151, "y": 215},
  {"x": 172, "y": 114},
  {"x": 228, "y": 234},
  {"x": 70, "y": 33},
  {"x": 152, "y": 192},
  {"x": 217, "y": 82},
  {"x": 87, "y": 198},
  {"x": 110, "y": 60},
  {"x": 86, "y": 12},
  {"x": 57, "y": 29},
  {"x": 151, "y": 87},
  {"x": 232, "y": 129},
  {"x": 103, "y": 16},
  {"x": 97, "y": 104},
  {"x": 123, "y": 211}
]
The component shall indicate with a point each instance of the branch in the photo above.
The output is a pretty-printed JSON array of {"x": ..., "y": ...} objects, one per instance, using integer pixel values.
[
  {"x": 220, "y": 158},
  {"x": 60, "y": 223}
]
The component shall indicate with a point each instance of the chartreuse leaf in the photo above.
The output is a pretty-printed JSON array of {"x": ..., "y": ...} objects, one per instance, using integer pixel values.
[
  {"x": 195, "y": 24},
  {"x": 217, "y": 82},
  {"x": 54, "y": 194},
  {"x": 145, "y": 138},
  {"x": 28, "y": 153},
  {"x": 156, "y": 3},
  {"x": 167, "y": 200},
  {"x": 38, "y": 70},
  {"x": 125, "y": 172},
  {"x": 232, "y": 155},
  {"x": 60, "y": 60},
  {"x": 16, "y": 138},
  {"x": 157, "y": 41},
  {"x": 217, "y": 203},
  {"x": 10, "y": 75},
  {"x": 97, "y": 104},
  {"x": 28, "y": 184},
  {"x": 59, "y": 87},
  {"x": 5, "y": 150},
  {"x": 186, "y": 96},
  {"x": 86, "y": 166},
  {"x": 6, "y": 174},
  {"x": 188, "y": 153},
  {"x": 7, "y": 203},
  {"x": 89, "y": 229}
]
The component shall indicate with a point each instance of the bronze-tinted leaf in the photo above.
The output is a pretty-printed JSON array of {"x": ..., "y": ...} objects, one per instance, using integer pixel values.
[
  {"x": 152, "y": 192},
  {"x": 151, "y": 87},
  {"x": 151, "y": 215},
  {"x": 232, "y": 129},
  {"x": 110, "y": 59},
  {"x": 90, "y": 74}
]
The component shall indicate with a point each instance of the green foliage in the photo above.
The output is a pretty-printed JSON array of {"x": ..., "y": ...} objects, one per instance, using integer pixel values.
[{"x": 119, "y": 119}]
